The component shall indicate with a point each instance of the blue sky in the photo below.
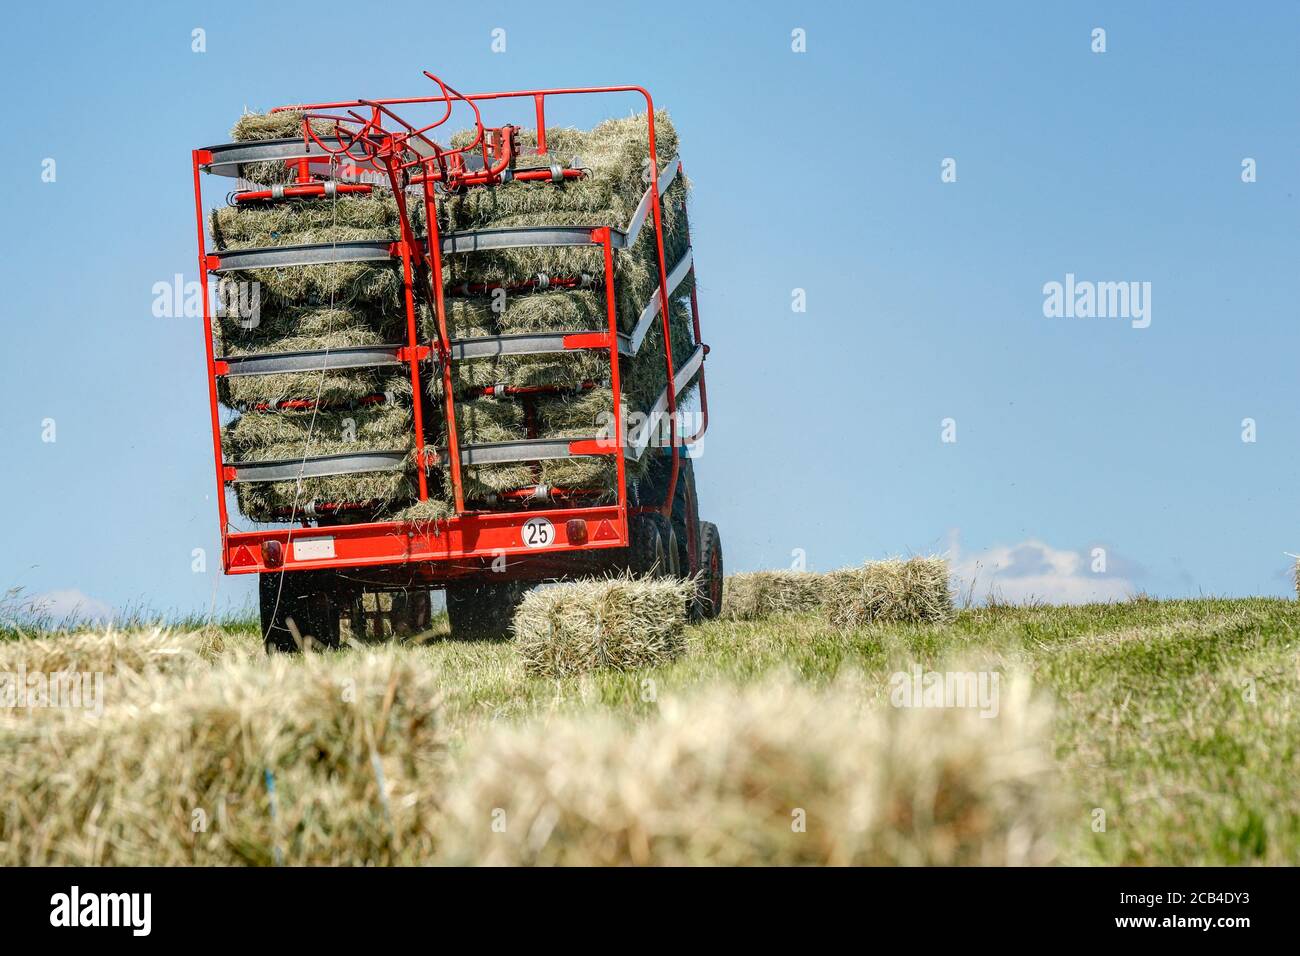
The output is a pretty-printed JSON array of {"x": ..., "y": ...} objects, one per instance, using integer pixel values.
[{"x": 817, "y": 171}]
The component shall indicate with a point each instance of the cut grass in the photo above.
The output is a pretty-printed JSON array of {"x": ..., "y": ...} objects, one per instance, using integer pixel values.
[{"x": 1175, "y": 718}]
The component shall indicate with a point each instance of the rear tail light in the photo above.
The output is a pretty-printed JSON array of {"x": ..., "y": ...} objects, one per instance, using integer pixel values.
[
  {"x": 576, "y": 529},
  {"x": 272, "y": 554}
]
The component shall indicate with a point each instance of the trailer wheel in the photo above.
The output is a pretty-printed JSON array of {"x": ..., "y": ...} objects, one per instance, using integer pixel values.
[
  {"x": 298, "y": 602},
  {"x": 686, "y": 517},
  {"x": 672, "y": 553},
  {"x": 483, "y": 612},
  {"x": 648, "y": 555},
  {"x": 708, "y": 599}
]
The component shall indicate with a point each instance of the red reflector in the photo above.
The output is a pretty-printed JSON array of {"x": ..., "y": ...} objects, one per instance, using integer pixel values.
[
  {"x": 242, "y": 558},
  {"x": 272, "y": 554},
  {"x": 605, "y": 532},
  {"x": 576, "y": 529}
]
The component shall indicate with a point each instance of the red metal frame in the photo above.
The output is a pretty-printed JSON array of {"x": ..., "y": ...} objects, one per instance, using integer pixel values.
[{"x": 453, "y": 546}]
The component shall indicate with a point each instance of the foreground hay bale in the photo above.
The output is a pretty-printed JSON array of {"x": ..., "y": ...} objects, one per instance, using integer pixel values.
[
  {"x": 618, "y": 623},
  {"x": 105, "y": 652},
  {"x": 726, "y": 778},
  {"x": 914, "y": 591},
  {"x": 754, "y": 595},
  {"x": 303, "y": 762}
]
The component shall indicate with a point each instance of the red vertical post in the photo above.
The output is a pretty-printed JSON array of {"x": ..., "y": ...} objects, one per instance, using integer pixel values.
[
  {"x": 602, "y": 236},
  {"x": 667, "y": 507},
  {"x": 539, "y": 104},
  {"x": 412, "y": 338},
  {"x": 444, "y": 340},
  {"x": 211, "y": 358},
  {"x": 704, "y": 394}
]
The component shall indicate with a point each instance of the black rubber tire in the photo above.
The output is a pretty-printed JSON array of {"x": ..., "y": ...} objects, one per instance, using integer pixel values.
[
  {"x": 646, "y": 556},
  {"x": 708, "y": 600},
  {"x": 672, "y": 552},
  {"x": 684, "y": 515},
  {"x": 483, "y": 612},
  {"x": 308, "y": 600}
]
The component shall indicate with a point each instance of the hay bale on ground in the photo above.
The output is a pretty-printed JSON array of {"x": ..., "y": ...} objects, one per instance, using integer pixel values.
[
  {"x": 295, "y": 762},
  {"x": 754, "y": 595},
  {"x": 717, "y": 780},
  {"x": 616, "y": 623},
  {"x": 915, "y": 591},
  {"x": 105, "y": 652}
]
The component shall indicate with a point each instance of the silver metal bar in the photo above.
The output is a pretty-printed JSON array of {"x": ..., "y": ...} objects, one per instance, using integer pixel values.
[
  {"x": 228, "y": 157},
  {"x": 274, "y": 257},
  {"x": 666, "y": 178},
  {"x": 537, "y": 343},
  {"x": 675, "y": 278},
  {"x": 533, "y": 449},
  {"x": 534, "y": 343},
  {"x": 292, "y": 469},
  {"x": 271, "y": 363},
  {"x": 636, "y": 445},
  {"x": 484, "y": 239}
]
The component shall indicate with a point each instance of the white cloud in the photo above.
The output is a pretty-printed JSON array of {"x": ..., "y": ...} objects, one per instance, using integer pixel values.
[
  {"x": 71, "y": 602},
  {"x": 1032, "y": 570}
]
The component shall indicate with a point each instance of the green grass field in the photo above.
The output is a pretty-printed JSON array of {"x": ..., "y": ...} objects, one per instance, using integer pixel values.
[{"x": 1174, "y": 733}]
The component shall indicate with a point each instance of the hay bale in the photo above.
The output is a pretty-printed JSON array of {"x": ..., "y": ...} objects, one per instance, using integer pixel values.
[
  {"x": 334, "y": 389},
  {"x": 350, "y": 748},
  {"x": 278, "y": 436},
  {"x": 754, "y": 595},
  {"x": 615, "y": 154},
  {"x": 373, "y": 215},
  {"x": 107, "y": 652},
  {"x": 915, "y": 591},
  {"x": 636, "y": 273},
  {"x": 616, "y": 623},
  {"x": 719, "y": 779},
  {"x": 292, "y": 436},
  {"x": 284, "y": 125}
]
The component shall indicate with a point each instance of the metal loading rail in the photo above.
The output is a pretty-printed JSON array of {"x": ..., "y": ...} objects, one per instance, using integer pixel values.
[{"x": 384, "y": 147}]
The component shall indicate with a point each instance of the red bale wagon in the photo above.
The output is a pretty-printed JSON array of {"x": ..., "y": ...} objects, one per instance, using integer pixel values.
[{"x": 319, "y": 564}]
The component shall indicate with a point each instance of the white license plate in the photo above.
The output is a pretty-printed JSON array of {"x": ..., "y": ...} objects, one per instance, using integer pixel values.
[{"x": 312, "y": 549}]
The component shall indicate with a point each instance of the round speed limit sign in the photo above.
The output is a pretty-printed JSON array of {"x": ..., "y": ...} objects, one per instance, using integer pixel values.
[{"x": 538, "y": 532}]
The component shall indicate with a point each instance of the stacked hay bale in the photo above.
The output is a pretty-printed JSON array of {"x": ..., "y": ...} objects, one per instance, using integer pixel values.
[
  {"x": 296, "y": 415},
  {"x": 312, "y": 308},
  {"x": 615, "y": 155}
]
